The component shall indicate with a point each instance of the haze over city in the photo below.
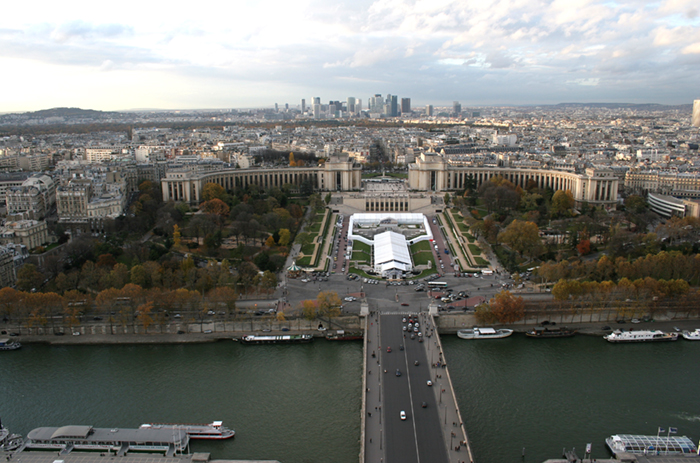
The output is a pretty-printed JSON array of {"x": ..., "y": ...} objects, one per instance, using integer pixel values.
[{"x": 251, "y": 54}]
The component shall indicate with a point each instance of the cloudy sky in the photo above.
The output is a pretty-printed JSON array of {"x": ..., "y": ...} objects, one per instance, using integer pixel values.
[{"x": 251, "y": 53}]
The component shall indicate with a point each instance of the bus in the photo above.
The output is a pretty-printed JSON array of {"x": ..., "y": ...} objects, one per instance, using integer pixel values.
[{"x": 437, "y": 284}]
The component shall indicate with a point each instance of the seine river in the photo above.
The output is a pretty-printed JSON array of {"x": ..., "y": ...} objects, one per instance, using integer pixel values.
[{"x": 301, "y": 403}]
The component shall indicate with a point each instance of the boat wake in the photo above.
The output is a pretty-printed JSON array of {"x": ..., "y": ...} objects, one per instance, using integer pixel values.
[{"x": 687, "y": 417}]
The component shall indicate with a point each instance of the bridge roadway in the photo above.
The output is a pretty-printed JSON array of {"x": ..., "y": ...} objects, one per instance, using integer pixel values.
[{"x": 431, "y": 434}]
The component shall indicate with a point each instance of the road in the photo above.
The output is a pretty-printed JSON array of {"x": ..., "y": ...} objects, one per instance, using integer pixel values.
[{"x": 419, "y": 438}]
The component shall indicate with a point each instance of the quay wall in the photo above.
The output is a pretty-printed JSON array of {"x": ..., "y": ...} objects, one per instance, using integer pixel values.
[{"x": 590, "y": 321}]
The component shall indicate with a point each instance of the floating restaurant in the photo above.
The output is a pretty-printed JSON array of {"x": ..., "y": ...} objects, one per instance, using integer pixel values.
[{"x": 68, "y": 438}]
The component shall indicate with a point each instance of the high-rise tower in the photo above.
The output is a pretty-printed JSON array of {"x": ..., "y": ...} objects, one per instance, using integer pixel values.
[
  {"x": 405, "y": 105},
  {"x": 696, "y": 113}
]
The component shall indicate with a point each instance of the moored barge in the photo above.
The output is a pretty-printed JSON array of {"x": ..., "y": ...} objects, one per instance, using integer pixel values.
[
  {"x": 550, "y": 333},
  {"x": 342, "y": 335},
  {"x": 120, "y": 441},
  {"x": 283, "y": 339}
]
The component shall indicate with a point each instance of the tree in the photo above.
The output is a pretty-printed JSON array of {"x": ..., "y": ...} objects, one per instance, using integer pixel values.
[
  {"x": 270, "y": 241},
  {"x": 562, "y": 203},
  {"x": 584, "y": 247},
  {"x": 292, "y": 163},
  {"x": 447, "y": 199},
  {"x": 177, "y": 236},
  {"x": 522, "y": 237},
  {"x": 328, "y": 303},
  {"x": 144, "y": 315},
  {"x": 285, "y": 237},
  {"x": 269, "y": 280},
  {"x": 309, "y": 309},
  {"x": 635, "y": 204},
  {"x": 106, "y": 260},
  {"x": 507, "y": 308},
  {"x": 139, "y": 276},
  {"x": 213, "y": 191},
  {"x": 328, "y": 198},
  {"x": 29, "y": 278}
]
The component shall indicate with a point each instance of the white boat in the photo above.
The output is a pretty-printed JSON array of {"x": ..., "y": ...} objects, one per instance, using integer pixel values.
[
  {"x": 214, "y": 430},
  {"x": 650, "y": 445},
  {"x": 7, "y": 344},
  {"x": 640, "y": 336},
  {"x": 484, "y": 333},
  {"x": 692, "y": 335}
]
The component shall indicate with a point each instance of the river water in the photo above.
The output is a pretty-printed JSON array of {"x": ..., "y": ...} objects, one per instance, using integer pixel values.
[{"x": 301, "y": 403}]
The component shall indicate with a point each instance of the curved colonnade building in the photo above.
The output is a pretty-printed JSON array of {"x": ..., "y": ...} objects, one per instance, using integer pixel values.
[
  {"x": 596, "y": 186},
  {"x": 429, "y": 174}
]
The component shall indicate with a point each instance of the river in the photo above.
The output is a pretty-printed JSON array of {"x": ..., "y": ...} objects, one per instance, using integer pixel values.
[{"x": 301, "y": 403}]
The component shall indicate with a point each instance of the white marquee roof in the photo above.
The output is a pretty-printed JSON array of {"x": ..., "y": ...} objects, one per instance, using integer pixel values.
[{"x": 391, "y": 251}]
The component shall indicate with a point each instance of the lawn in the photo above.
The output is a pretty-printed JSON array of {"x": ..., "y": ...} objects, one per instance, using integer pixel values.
[
  {"x": 422, "y": 258},
  {"x": 420, "y": 246},
  {"x": 481, "y": 262},
  {"x": 361, "y": 257},
  {"x": 476, "y": 250},
  {"x": 360, "y": 246},
  {"x": 308, "y": 249},
  {"x": 304, "y": 261}
]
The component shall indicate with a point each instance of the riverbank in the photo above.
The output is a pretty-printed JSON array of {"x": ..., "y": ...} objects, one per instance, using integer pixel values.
[{"x": 447, "y": 324}]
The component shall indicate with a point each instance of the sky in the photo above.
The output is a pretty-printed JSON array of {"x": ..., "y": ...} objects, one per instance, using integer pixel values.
[{"x": 254, "y": 53}]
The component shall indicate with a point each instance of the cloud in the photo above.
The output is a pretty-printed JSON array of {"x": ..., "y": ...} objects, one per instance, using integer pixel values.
[
  {"x": 86, "y": 31},
  {"x": 419, "y": 47}
]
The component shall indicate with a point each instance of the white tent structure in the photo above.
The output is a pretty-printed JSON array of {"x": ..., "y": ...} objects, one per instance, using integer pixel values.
[{"x": 391, "y": 255}]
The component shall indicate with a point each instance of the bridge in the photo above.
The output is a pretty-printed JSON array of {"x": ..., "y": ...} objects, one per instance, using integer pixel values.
[{"x": 404, "y": 375}]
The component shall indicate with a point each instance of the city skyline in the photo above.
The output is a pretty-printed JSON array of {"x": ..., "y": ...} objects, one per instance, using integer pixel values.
[{"x": 255, "y": 55}]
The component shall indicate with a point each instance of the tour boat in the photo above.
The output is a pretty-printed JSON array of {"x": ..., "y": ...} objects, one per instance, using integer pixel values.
[
  {"x": 7, "y": 344},
  {"x": 650, "y": 445},
  {"x": 692, "y": 335},
  {"x": 214, "y": 430},
  {"x": 287, "y": 338},
  {"x": 640, "y": 336},
  {"x": 484, "y": 333}
]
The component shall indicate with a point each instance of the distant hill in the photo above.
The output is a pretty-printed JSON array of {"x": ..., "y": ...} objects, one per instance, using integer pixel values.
[
  {"x": 69, "y": 112},
  {"x": 641, "y": 107}
]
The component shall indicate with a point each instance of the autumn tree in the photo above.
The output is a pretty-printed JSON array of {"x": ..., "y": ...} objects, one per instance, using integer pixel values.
[
  {"x": 145, "y": 315},
  {"x": 562, "y": 203},
  {"x": 213, "y": 191},
  {"x": 285, "y": 237},
  {"x": 309, "y": 309},
  {"x": 177, "y": 236},
  {"x": 507, "y": 308},
  {"x": 270, "y": 241},
  {"x": 328, "y": 303},
  {"x": 584, "y": 247},
  {"x": 28, "y": 278},
  {"x": 522, "y": 237}
]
